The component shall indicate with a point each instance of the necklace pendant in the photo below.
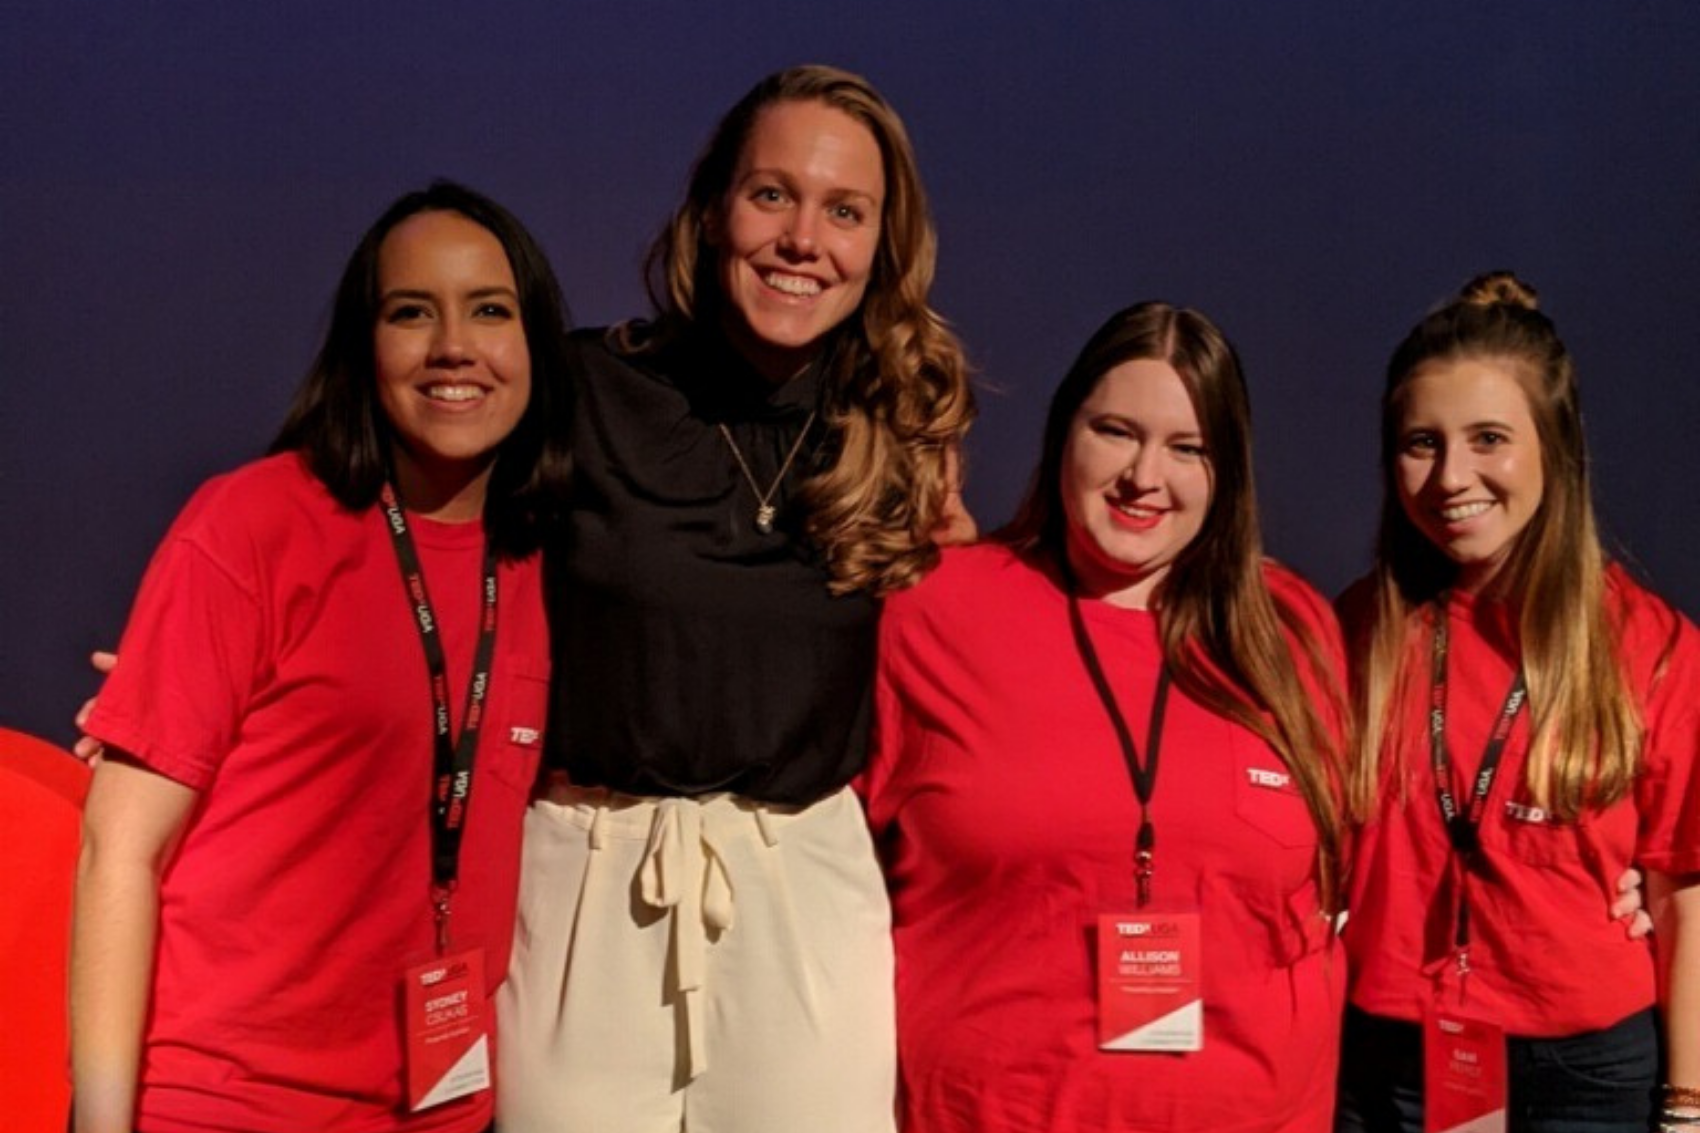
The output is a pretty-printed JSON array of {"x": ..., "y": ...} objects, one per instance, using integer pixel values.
[{"x": 766, "y": 510}]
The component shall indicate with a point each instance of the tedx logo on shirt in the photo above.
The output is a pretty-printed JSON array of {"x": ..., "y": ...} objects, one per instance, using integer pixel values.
[
  {"x": 1523, "y": 812},
  {"x": 1269, "y": 780}
]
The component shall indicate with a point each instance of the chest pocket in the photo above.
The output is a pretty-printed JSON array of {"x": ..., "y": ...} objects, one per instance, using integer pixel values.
[
  {"x": 1267, "y": 798},
  {"x": 1535, "y": 838},
  {"x": 512, "y": 742}
]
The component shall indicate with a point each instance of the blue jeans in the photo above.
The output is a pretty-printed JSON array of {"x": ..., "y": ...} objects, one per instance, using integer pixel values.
[{"x": 1597, "y": 1082}]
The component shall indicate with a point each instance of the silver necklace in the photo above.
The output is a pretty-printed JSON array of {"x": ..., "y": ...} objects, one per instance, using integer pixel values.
[{"x": 765, "y": 511}]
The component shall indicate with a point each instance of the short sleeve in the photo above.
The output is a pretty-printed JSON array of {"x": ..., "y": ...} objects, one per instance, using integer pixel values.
[
  {"x": 189, "y": 656},
  {"x": 1668, "y": 790}
]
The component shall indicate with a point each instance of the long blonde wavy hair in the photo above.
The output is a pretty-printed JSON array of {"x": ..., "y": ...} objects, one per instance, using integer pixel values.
[
  {"x": 1584, "y": 725},
  {"x": 899, "y": 400},
  {"x": 1225, "y": 636}
]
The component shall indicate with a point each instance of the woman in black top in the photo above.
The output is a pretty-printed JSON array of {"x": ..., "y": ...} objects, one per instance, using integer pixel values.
[{"x": 703, "y": 937}]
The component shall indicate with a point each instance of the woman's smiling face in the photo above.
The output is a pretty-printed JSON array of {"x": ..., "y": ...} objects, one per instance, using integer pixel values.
[
  {"x": 1468, "y": 465},
  {"x": 1136, "y": 481},
  {"x": 796, "y": 235},
  {"x": 452, "y": 364}
]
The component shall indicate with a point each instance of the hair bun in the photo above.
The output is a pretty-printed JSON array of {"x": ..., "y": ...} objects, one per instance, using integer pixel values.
[{"x": 1497, "y": 288}]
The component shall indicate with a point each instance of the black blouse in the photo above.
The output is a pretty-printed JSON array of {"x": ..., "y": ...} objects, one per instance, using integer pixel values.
[{"x": 692, "y": 652}]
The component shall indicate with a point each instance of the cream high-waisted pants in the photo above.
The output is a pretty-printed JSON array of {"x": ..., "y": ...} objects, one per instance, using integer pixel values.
[{"x": 712, "y": 965}]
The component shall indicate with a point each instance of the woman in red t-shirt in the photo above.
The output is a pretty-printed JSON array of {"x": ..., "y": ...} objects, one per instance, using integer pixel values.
[
  {"x": 325, "y": 641},
  {"x": 1530, "y": 721},
  {"x": 1105, "y": 780}
]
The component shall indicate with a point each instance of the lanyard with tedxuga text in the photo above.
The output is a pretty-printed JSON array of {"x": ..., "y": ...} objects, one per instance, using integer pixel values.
[
  {"x": 1143, "y": 773},
  {"x": 1150, "y": 981},
  {"x": 1463, "y": 827},
  {"x": 451, "y": 794}
]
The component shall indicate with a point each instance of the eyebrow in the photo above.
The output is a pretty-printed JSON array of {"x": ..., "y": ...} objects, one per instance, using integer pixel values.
[
  {"x": 1467, "y": 427},
  {"x": 419, "y": 293},
  {"x": 782, "y": 175},
  {"x": 1111, "y": 414}
]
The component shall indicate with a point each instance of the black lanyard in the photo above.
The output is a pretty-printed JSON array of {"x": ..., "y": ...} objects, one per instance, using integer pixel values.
[
  {"x": 451, "y": 794},
  {"x": 1463, "y": 828},
  {"x": 1143, "y": 774}
]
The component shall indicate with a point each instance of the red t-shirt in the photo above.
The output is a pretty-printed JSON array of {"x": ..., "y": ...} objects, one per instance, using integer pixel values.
[
  {"x": 271, "y": 663},
  {"x": 1546, "y": 957},
  {"x": 1006, "y": 817}
]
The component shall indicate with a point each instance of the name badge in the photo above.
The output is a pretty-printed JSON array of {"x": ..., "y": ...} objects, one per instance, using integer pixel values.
[
  {"x": 1464, "y": 1079},
  {"x": 448, "y": 1041},
  {"x": 1150, "y": 988}
]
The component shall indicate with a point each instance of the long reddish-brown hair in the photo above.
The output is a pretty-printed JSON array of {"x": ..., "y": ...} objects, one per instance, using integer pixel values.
[{"x": 1226, "y": 637}]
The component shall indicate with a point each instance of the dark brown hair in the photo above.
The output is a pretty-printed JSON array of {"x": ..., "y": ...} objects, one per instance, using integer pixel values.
[{"x": 338, "y": 425}]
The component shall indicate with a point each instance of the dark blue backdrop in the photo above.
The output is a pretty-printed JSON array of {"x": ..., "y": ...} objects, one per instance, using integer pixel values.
[{"x": 180, "y": 183}]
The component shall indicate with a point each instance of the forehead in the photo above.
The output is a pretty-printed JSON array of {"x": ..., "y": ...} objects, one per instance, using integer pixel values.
[
  {"x": 814, "y": 140},
  {"x": 1466, "y": 389},
  {"x": 442, "y": 243},
  {"x": 1144, "y": 388}
]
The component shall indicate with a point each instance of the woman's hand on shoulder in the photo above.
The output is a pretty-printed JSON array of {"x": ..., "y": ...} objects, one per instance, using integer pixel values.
[
  {"x": 956, "y": 525},
  {"x": 87, "y": 748}
]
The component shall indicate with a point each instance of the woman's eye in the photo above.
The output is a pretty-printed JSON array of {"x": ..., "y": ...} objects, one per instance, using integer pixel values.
[
  {"x": 768, "y": 195},
  {"x": 847, "y": 215},
  {"x": 1419, "y": 444},
  {"x": 1112, "y": 429},
  {"x": 1191, "y": 450},
  {"x": 405, "y": 313},
  {"x": 494, "y": 311},
  {"x": 1489, "y": 438}
]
